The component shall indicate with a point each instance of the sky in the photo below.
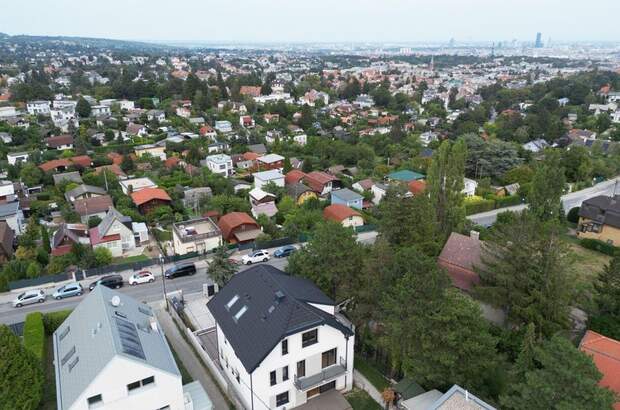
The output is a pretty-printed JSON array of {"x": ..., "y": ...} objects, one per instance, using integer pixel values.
[{"x": 260, "y": 21}]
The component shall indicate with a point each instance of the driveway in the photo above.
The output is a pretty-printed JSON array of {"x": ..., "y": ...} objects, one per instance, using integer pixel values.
[{"x": 331, "y": 400}]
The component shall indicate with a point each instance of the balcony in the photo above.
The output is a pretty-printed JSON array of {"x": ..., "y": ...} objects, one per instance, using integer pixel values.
[{"x": 329, "y": 373}]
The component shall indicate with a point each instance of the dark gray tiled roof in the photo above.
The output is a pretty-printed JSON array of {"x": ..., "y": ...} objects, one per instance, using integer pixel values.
[
  {"x": 603, "y": 209},
  {"x": 266, "y": 320}
]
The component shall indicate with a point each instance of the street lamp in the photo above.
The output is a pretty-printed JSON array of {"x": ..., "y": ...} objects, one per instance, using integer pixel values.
[{"x": 163, "y": 277}]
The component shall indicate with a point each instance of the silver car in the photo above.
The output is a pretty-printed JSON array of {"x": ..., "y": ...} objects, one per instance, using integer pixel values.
[{"x": 29, "y": 297}]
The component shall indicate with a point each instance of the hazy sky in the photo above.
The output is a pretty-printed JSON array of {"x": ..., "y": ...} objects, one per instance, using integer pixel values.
[{"x": 315, "y": 20}]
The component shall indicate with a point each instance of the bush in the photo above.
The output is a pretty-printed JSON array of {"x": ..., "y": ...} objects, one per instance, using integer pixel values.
[
  {"x": 34, "y": 335},
  {"x": 607, "y": 325},
  {"x": 573, "y": 215},
  {"x": 481, "y": 205},
  {"x": 504, "y": 201},
  {"x": 599, "y": 246},
  {"x": 53, "y": 320}
]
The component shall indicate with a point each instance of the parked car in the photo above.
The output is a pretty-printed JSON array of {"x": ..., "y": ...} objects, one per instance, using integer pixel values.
[
  {"x": 180, "y": 270},
  {"x": 29, "y": 297},
  {"x": 110, "y": 281},
  {"x": 284, "y": 251},
  {"x": 68, "y": 290},
  {"x": 254, "y": 257},
  {"x": 141, "y": 277}
]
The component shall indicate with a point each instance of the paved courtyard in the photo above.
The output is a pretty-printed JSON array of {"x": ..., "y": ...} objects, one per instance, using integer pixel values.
[{"x": 331, "y": 400}]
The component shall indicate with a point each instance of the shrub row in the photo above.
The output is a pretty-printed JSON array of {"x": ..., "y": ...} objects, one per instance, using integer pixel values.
[
  {"x": 599, "y": 246},
  {"x": 34, "y": 334},
  {"x": 482, "y": 205},
  {"x": 53, "y": 320}
]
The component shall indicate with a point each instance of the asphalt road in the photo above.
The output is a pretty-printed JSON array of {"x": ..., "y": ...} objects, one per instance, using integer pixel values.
[
  {"x": 569, "y": 201},
  {"x": 148, "y": 292}
]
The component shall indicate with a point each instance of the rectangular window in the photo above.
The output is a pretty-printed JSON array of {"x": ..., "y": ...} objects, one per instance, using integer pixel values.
[
  {"x": 133, "y": 386},
  {"x": 140, "y": 383},
  {"x": 284, "y": 347},
  {"x": 272, "y": 378},
  {"x": 285, "y": 373},
  {"x": 95, "y": 400},
  {"x": 309, "y": 338},
  {"x": 150, "y": 380},
  {"x": 301, "y": 368},
  {"x": 328, "y": 358},
  {"x": 282, "y": 399}
]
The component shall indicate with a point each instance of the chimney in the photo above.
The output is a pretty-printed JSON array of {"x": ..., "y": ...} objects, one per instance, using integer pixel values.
[{"x": 474, "y": 235}]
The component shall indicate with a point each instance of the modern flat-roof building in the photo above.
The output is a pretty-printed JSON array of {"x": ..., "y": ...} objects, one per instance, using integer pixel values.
[{"x": 196, "y": 235}]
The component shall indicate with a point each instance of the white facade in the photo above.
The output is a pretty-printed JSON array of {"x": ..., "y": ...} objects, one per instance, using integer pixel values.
[
  {"x": 97, "y": 110},
  {"x": 7, "y": 112},
  {"x": 264, "y": 394},
  {"x": 14, "y": 158},
  {"x": 470, "y": 187},
  {"x": 38, "y": 107},
  {"x": 127, "y": 241},
  {"x": 263, "y": 178},
  {"x": 352, "y": 221},
  {"x": 201, "y": 235},
  {"x": 223, "y": 126},
  {"x": 220, "y": 164}
]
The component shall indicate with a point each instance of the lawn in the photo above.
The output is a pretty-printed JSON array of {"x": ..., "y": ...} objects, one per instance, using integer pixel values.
[
  {"x": 371, "y": 373},
  {"x": 130, "y": 259},
  {"x": 585, "y": 266},
  {"x": 49, "y": 389},
  {"x": 360, "y": 400}
]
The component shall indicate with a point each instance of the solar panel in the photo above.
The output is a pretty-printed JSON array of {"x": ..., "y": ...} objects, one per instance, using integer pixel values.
[{"x": 130, "y": 341}]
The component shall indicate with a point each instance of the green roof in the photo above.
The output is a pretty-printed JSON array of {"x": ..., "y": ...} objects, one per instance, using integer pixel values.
[
  {"x": 408, "y": 388},
  {"x": 405, "y": 175}
]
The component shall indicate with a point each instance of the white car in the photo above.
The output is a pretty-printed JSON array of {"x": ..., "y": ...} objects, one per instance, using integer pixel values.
[
  {"x": 141, "y": 277},
  {"x": 254, "y": 257},
  {"x": 29, "y": 297}
]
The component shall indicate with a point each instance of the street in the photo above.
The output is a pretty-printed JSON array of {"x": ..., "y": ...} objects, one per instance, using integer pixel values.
[
  {"x": 148, "y": 292},
  {"x": 569, "y": 201}
]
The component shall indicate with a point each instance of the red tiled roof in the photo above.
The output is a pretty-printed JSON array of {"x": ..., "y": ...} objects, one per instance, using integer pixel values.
[
  {"x": 115, "y": 169},
  {"x": 57, "y": 141},
  {"x": 82, "y": 160},
  {"x": 93, "y": 205},
  {"x": 115, "y": 157},
  {"x": 230, "y": 221},
  {"x": 95, "y": 239},
  {"x": 459, "y": 256},
  {"x": 171, "y": 162},
  {"x": 148, "y": 194},
  {"x": 316, "y": 180},
  {"x": 293, "y": 176},
  {"x": 417, "y": 186},
  {"x": 339, "y": 212},
  {"x": 605, "y": 352},
  {"x": 53, "y": 164},
  {"x": 62, "y": 250},
  {"x": 253, "y": 91},
  {"x": 250, "y": 156}
]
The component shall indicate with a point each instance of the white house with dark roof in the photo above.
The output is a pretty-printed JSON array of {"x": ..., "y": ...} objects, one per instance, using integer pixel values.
[
  {"x": 111, "y": 354},
  {"x": 280, "y": 339}
]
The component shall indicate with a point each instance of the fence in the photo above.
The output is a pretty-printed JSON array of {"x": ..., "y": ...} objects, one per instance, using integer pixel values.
[{"x": 41, "y": 280}]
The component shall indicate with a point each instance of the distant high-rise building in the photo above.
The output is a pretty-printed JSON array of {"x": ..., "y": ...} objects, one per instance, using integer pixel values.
[
  {"x": 452, "y": 41},
  {"x": 538, "y": 43}
]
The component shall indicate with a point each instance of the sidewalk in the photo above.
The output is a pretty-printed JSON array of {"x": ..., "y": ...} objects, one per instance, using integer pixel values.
[
  {"x": 190, "y": 361},
  {"x": 360, "y": 381}
]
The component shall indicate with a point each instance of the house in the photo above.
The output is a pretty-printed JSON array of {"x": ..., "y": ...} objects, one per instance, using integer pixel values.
[
  {"x": 469, "y": 187},
  {"x": 60, "y": 142},
  {"x": 17, "y": 157},
  {"x": 280, "y": 339},
  {"x": 140, "y": 232},
  {"x": 193, "y": 196},
  {"x": 347, "y": 198},
  {"x": 223, "y": 126},
  {"x": 270, "y": 161},
  {"x": 259, "y": 149},
  {"x": 7, "y": 191},
  {"x": 39, "y": 107},
  {"x": 220, "y": 164},
  {"x": 263, "y": 178},
  {"x": 137, "y": 130},
  {"x": 263, "y": 203},
  {"x": 246, "y": 121},
  {"x": 112, "y": 169},
  {"x": 110, "y": 353},
  {"x": 599, "y": 218},
  {"x": 294, "y": 176},
  {"x": 404, "y": 176},
  {"x": 300, "y": 192},
  {"x": 427, "y": 137},
  {"x": 156, "y": 115},
  {"x": 197, "y": 235},
  {"x": 364, "y": 101},
  {"x": 348, "y": 217},
  {"x": 72, "y": 176},
  {"x": 455, "y": 398},
  {"x": 100, "y": 111},
  {"x": 12, "y": 214},
  {"x": 239, "y": 227},
  {"x": 153, "y": 150},
  {"x": 6, "y": 137},
  {"x": 605, "y": 353},
  {"x": 90, "y": 207},
  {"x": 136, "y": 184},
  {"x": 459, "y": 256},
  {"x": 84, "y": 191},
  {"x": 66, "y": 235},
  {"x": 417, "y": 187},
  {"x": 60, "y": 165},
  {"x": 364, "y": 185},
  {"x": 271, "y": 118},
  {"x": 207, "y": 131},
  {"x": 7, "y": 237},
  {"x": 250, "y": 91},
  {"x": 148, "y": 199},
  {"x": 114, "y": 232},
  {"x": 321, "y": 182},
  {"x": 535, "y": 145},
  {"x": 378, "y": 192}
]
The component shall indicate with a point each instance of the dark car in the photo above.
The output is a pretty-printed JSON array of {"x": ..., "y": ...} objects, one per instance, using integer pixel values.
[
  {"x": 110, "y": 281},
  {"x": 284, "y": 251},
  {"x": 180, "y": 270}
]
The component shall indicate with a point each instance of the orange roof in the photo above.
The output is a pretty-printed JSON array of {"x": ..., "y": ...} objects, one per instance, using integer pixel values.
[
  {"x": 250, "y": 156},
  {"x": 316, "y": 180},
  {"x": 53, "y": 164},
  {"x": 172, "y": 162},
  {"x": 232, "y": 220},
  {"x": 605, "y": 352},
  {"x": 339, "y": 212},
  {"x": 417, "y": 186},
  {"x": 82, "y": 160},
  {"x": 293, "y": 176},
  {"x": 148, "y": 194},
  {"x": 253, "y": 91},
  {"x": 115, "y": 157}
]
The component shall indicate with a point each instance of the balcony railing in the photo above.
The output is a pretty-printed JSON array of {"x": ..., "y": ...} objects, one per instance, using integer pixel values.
[{"x": 331, "y": 372}]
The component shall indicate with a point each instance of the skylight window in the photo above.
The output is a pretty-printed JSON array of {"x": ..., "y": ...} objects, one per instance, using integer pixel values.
[
  {"x": 232, "y": 302},
  {"x": 240, "y": 313}
]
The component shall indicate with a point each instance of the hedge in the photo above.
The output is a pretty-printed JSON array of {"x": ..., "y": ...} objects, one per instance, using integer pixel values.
[
  {"x": 504, "y": 201},
  {"x": 34, "y": 334},
  {"x": 599, "y": 246},
  {"x": 482, "y": 205},
  {"x": 53, "y": 320}
]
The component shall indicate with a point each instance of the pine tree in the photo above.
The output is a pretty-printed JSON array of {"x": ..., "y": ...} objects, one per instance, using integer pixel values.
[{"x": 544, "y": 197}]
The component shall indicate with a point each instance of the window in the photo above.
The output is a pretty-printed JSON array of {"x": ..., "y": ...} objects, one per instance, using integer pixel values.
[
  {"x": 95, "y": 400},
  {"x": 140, "y": 383},
  {"x": 282, "y": 399},
  {"x": 272, "y": 378},
  {"x": 150, "y": 380},
  {"x": 309, "y": 338},
  {"x": 232, "y": 302},
  {"x": 328, "y": 358},
  {"x": 284, "y": 347},
  {"x": 133, "y": 386},
  {"x": 285, "y": 373},
  {"x": 301, "y": 368}
]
